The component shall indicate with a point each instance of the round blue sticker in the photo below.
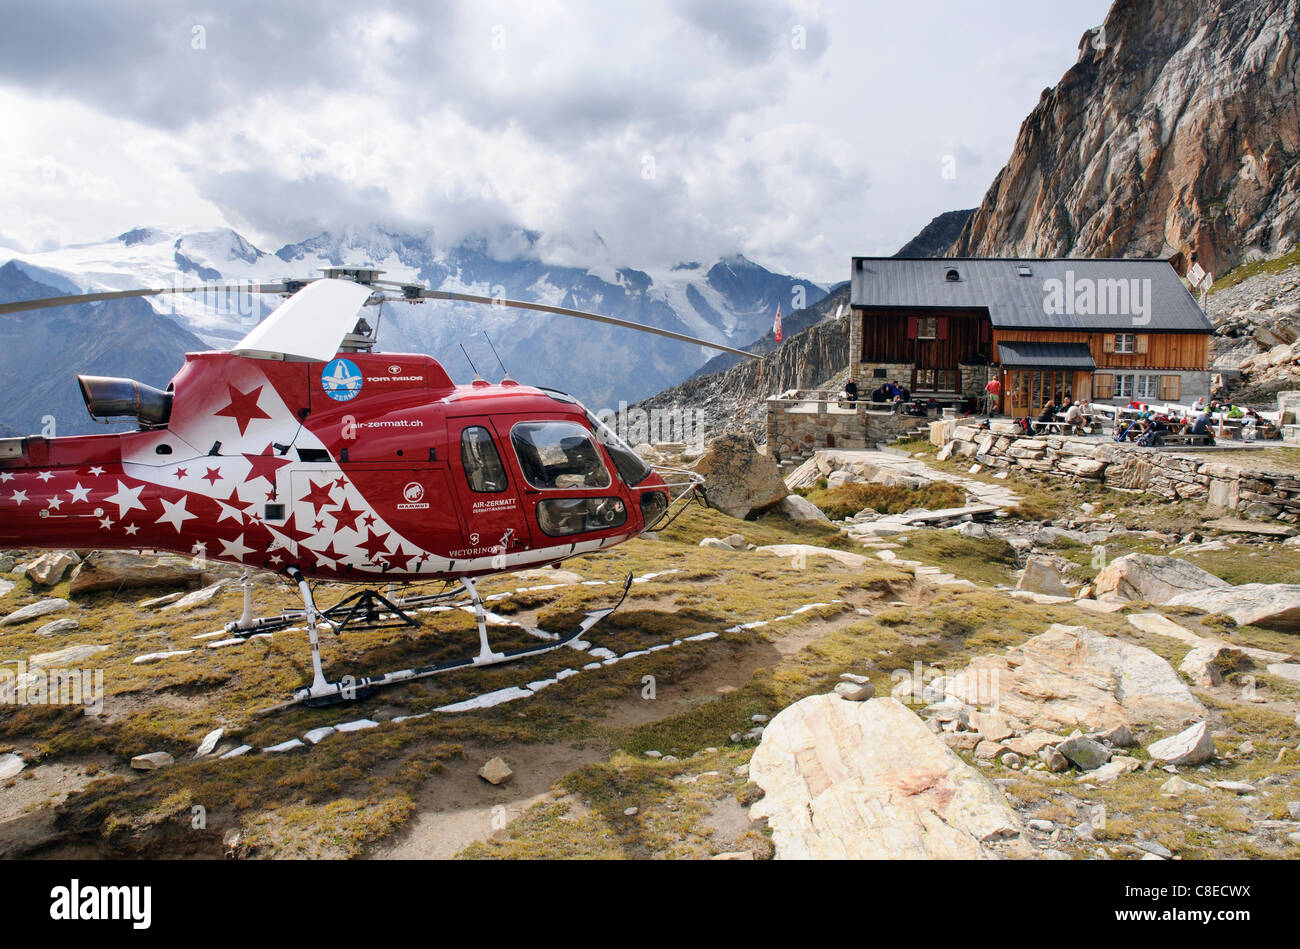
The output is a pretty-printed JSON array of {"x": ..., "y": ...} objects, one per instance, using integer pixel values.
[{"x": 341, "y": 380}]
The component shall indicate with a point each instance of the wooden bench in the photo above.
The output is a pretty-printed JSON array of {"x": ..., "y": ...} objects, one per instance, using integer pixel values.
[{"x": 1187, "y": 438}]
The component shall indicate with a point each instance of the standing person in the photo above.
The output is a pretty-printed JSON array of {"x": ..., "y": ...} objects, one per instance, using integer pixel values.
[{"x": 992, "y": 395}]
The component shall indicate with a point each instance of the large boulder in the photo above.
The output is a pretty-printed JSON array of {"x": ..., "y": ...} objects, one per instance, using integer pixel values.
[
  {"x": 853, "y": 780},
  {"x": 1154, "y": 579},
  {"x": 1274, "y": 605},
  {"x": 121, "y": 569},
  {"x": 740, "y": 480},
  {"x": 1041, "y": 576},
  {"x": 1073, "y": 677}
]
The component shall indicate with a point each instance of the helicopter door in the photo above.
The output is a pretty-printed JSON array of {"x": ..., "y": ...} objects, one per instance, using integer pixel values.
[{"x": 490, "y": 501}]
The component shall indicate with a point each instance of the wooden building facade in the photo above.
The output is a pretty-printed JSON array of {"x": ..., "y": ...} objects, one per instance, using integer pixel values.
[{"x": 1047, "y": 330}]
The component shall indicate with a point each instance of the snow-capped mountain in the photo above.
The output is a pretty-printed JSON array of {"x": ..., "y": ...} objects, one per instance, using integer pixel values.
[{"x": 731, "y": 300}]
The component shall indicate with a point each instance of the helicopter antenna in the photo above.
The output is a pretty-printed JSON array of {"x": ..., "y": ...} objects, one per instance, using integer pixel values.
[
  {"x": 498, "y": 355},
  {"x": 470, "y": 361}
]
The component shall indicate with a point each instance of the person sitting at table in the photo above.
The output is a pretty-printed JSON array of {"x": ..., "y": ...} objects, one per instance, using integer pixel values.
[
  {"x": 1047, "y": 415},
  {"x": 1075, "y": 420},
  {"x": 1202, "y": 424},
  {"x": 851, "y": 392},
  {"x": 1199, "y": 405}
]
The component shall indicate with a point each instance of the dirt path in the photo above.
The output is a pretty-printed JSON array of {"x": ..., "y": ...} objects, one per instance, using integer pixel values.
[{"x": 457, "y": 807}]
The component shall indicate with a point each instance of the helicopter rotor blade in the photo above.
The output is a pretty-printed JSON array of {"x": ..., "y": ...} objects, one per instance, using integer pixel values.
[
  {"x": 421, "y": 293},
  {"x": 47, "y": 302}
]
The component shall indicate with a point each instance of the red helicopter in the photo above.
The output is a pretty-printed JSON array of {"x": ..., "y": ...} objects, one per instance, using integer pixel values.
[{"x": 304, "y": 451}]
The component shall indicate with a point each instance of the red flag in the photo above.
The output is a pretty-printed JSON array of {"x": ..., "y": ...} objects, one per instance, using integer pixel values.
[{"x": 776, "y": 327}]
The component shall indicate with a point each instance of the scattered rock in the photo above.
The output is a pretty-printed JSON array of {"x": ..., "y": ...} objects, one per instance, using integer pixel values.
[
  {"x": 495, "y": 771},
  {"x": 64, "y": 625},
  {"x": 716, "y": 543},
  {"x": 1177, "y": 785},
  {"x": 1155, "y": 848},
  {"x": 152, "y": 761},
  {"x": 157, "y": 601},
  {"x": 1236, "y": 787},
  {"x": 807, "y": 550},
  {"x": 1053, "y": 759},
  {"x": 34, "y": 611},
  {"x": 64, "y": 657},
  {"x": 855, "y": 692},
  {"x": 1118, "y": 737},
  {"x": 1188, "y": 748},
  {"x": 10, "y": 765},
  {"x": 1041, "y": 577},
  {"x": 197, "y": 598},
  {"x": 317, "y": 735},
  {"x": 209, "y": 742},
  {"x": 802, "y": 510},
  {"x": 49, "y": 568},
  {"x": 1087, "y": 754},
  {"x": 630, "y": 812},
  {"x": 869, "y": 780},
  {"x": 1205, "y": 664}
]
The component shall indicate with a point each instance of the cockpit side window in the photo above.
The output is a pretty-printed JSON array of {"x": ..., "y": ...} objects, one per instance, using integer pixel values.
[
  {"x": 481, "y": 461},
  {"x": 558, "y": 456}
]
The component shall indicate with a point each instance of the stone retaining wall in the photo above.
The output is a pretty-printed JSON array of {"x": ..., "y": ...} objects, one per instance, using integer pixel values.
[
  {"x": 789, "y": 433},
  {"x": 1167, "y": 474}
]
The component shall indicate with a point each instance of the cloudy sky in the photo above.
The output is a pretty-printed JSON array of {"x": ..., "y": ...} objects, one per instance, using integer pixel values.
[{"x": 796, "y": 132}]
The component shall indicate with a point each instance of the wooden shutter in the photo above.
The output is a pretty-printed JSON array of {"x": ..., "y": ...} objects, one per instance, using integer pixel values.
[
  {"x": 1103, "y": 385},
  {"x": 1140, "y": 343},
  {"x": 941, "y": 328},
  {"x": 1108, "y": 343},
  {"x": 1170, "y": 387},
  {"x": 911, "y": 327}
]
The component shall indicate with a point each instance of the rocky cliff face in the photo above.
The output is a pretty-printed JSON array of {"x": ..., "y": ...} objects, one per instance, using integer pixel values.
[
  {"x": 733, "y": 400},
  {"x": 1177, "y": 132}
]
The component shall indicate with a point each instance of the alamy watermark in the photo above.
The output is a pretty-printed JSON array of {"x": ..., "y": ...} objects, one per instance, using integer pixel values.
[
  {"x": 40, "y": 686},
  {"x": 673, "y": 423},
  {"x": 1107, "y": 296}
]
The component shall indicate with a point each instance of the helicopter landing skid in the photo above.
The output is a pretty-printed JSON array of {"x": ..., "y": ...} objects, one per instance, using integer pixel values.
[{"x": 350, "y": 688}]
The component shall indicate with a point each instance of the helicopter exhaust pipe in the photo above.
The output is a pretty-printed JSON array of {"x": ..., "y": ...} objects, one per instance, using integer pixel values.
[{"x": 107, "y": 397}]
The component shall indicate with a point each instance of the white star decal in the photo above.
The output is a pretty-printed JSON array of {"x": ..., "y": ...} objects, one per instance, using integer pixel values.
[
  {"x": 126, "y": 499},
  {"x": 6, "y": 476},
  {"x": 79, "y": 493},
  {"x": 46, "y": 475},
  {"x": 55, "y": 503},
  {"x": 19, "y": 496},
  {"x": 235, "y": 548},
  {"x": 96, "y": 471},
  {"x": 107, "y": 523},
  {"x": 131, "y": 528},
  {"x": 230, "y": 513},
  {"x": 175, "y": 513}
]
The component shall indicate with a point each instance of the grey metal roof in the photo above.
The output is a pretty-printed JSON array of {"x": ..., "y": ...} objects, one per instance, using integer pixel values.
[
  {"x": 1134, "y": 295},
  {"x": 1026, "y": 354}
]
